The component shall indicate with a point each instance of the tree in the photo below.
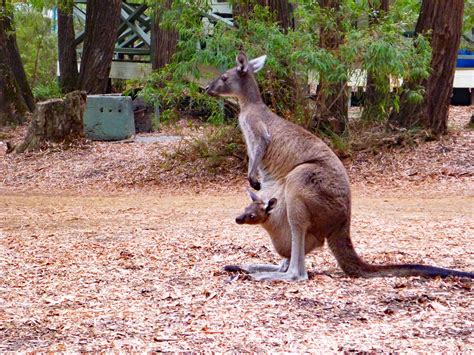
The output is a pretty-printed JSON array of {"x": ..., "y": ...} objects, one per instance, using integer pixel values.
[
  {"x": 102, "y": 20},
  {"x": 442, "y": 22},
  {"x": 163, "y": 40},
  {"x": 333, "y": 97},
  {"x": 282, "y": 11},
  {"x": 67, "y": 57},
  {"x": 15, "y": 94},
  {"x": 374, "y": 95}
]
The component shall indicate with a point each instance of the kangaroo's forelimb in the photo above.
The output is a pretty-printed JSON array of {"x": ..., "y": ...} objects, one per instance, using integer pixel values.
[{"x": 257, "y": 139}]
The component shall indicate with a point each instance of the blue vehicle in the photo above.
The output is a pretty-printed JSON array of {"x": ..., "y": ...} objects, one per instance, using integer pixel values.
[{"x": 465, "y": 59}]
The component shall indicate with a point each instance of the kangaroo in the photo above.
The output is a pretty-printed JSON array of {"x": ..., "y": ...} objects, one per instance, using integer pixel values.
[
  {"x": 308, "y": 181},
  {"x": 271, "y": 218}
]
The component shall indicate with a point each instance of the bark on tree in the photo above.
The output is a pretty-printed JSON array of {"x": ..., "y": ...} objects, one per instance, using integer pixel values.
[
  {"x": 373, "y": 96},
  {"x": 332, "y": 98},
  {"x": 102, "y": 20},
  {"x": 163, "y": 40},
  {"x": 16, "y": 62},
  {"x": 281, "y": 9},
  {"x": 442, "y": 21},
  {"x": 12, "y": 102},
  {"x": 55, "y": 120},
  {"x": 67, "y": 57},
  {"x": 18, "y": 69}
]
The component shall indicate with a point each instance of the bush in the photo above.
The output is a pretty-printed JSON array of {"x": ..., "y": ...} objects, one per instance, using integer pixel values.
[
  {"x": 47, "y": 91},
  {"x": 216, "y": 151}
]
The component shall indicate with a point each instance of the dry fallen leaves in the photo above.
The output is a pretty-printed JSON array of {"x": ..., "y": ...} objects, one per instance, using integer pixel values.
[{"x": 93, "y": 258}]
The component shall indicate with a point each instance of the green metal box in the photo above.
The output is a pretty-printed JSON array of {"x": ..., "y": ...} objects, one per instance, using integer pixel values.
[{"x": 109, "y": 118}]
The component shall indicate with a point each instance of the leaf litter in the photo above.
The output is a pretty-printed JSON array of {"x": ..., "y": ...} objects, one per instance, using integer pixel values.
[{"x": 98, "y": 255}]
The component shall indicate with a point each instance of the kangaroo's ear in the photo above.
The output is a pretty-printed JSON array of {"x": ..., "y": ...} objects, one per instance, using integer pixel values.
[
  {"x": 270, "y": 205},
  {"x": 242, "y": 63},
  {"x": 253, "y": 195},
  {"x": 258, "y": 63}
]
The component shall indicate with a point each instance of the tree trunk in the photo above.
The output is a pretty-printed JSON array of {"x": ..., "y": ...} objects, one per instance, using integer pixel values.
[
  {"x": 374, "y": 96},
  {"x": 55, "y": 120},
  {"x": 12, "y": 103},
  {"x": 333, "y": 98},
  {"x": 163, "y": 40},
  {"x": 15, "y": 60},
  {"x": 102, "y": 20},
  {"x": 281, "y": 9},
  {"x": 444, "y": 20},
  {"x": 68, "y": 73}
]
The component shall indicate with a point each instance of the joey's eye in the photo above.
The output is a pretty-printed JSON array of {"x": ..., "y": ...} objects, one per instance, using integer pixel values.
[
  {"x": 223, "y": 78},
  {"x": 252, "y": 216}
]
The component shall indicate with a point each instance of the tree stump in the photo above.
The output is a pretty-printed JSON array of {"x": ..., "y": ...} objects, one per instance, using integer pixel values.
[{"x": 55, "y": 120}]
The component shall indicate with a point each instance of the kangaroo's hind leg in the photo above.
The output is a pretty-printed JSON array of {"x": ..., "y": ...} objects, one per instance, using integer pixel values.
[
  {"x": 259, "y": 268},
  {"x": 298, "y": 217}
]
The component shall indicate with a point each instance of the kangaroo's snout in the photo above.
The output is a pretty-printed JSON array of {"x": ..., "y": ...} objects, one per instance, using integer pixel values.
[
  {"x": 239, "y": 220},
  {"x": 209, "y": 91}
]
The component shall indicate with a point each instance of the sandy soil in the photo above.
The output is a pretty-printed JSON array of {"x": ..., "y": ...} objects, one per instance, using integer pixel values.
[{"x": 136, "y": 272}]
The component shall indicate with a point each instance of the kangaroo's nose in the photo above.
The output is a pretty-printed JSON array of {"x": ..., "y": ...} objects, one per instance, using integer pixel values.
[
  {"x": 239, "y": 220},
  {"x": 206, "y": 88}
]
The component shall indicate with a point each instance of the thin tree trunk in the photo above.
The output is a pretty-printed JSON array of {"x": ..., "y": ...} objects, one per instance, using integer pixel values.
[
  {"x": 102, "y": 20},
  {"x": 282, "y": 11},
  {"x": 444, "y": 20},
  {"x": 163, "y": 40},
  {"x": 16, "y": 62},
  {"x": 333, "y": 98},
  {"x": 35, "y": 68},
  {"x": 373, "y": 98},
  {"x": 68, "y": 73},
  {"x": 12, "y": 102}
]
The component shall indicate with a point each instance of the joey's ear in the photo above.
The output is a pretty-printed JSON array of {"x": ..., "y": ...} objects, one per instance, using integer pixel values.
[
  {"x": 258, "y": 63},
  {"x": 242, "y": 63},
  {"x": 253, "y": 195},
  {"x": 270, "y": 205}
]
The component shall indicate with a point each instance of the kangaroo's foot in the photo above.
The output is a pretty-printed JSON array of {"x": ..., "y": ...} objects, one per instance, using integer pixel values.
[
  {"x": 259, "y": 268},
  {"x": 280, "y": 276}
]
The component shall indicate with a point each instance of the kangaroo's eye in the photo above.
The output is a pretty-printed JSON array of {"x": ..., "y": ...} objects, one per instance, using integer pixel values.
[
  {"x": 223, "y": 78},
  {"x": 252, "y": 216}
]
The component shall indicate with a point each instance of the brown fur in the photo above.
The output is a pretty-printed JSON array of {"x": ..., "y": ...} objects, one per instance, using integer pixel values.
[{"x": 309, "y": 182}]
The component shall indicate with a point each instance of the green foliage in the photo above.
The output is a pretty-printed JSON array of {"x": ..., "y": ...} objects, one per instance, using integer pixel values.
[
  {"x": 293, "y": 56},
  {"x": 38, "y": 47},
  {"x": 47, "y": 90},
  {"x": 467, "y": 40},
  {"x": 202, "y": 45}
]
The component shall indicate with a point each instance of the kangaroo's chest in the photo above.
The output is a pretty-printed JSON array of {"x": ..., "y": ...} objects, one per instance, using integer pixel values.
[{"x": 249, "y": 135}]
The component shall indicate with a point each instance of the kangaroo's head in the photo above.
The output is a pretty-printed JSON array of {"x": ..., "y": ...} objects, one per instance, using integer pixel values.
[
  {"x": 257, "y": 212},
  {"x": 238, "y": 82}
]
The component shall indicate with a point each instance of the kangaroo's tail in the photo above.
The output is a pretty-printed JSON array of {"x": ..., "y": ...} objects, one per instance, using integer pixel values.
[{"x": 341, "y": 245}]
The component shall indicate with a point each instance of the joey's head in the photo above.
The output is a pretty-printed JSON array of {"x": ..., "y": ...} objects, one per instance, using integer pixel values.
[
  {"x": 239, "y": 82},
  {"x": 257, "y": 212}
]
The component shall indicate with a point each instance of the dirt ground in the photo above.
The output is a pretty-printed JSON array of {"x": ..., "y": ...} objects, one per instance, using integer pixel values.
[
  {"x": 143, "y": 272},
  {"x": 104, "y": 247}
]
